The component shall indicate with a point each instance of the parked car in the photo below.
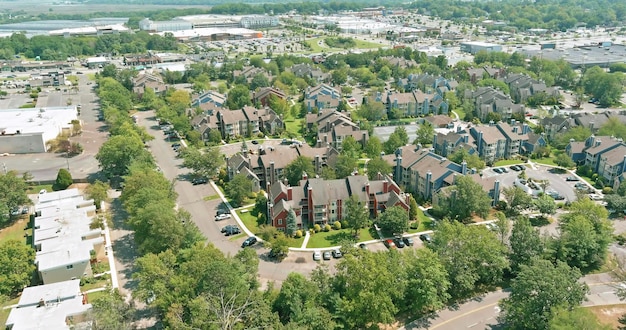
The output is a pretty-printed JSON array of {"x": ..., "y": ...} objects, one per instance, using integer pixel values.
[
  {"x": 571, "y": 178},
  {"x": 504, "y": 170},
  {"x": 408, "y": 241},
  {"x": 25, "y": 210},
  {"x": 337, "y": 254},
  {"x": 42, "y": 191},
  {"x": 521, "y": 167},
  {"x": 326, "y": 255},
  {"x": 426, "y": 238},
  {"x": 226, "y": 228},
  {"x": 497, "y": 170},
  {"x": 233, "y": 230},
  {"x": 515, "y": 168},
  {"x": 175, "y": 145},
  {"x": 255, "y": 142},
  {"x": 363, "y": 246},
  {"x": 249, "y": 241},
  {"x": 390, "y": 244},
  {"x": 223, "y": 216},
  {"x": 197, "y": 181},
  {"x": 317, "y": 255},
  {"x": 399, "y": 243},
  {"x": 15, "y": 211}
]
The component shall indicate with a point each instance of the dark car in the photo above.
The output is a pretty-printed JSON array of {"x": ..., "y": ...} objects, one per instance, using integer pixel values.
[
  {"x": 426, "y": 238},
  {"x": 497, "y": 170},
  {"x": 255, "y": 142},
  {"x": 363, "y": 246},
  {"x": 226, "y": 228},
  {"x": 249, "y": 241},
  {"x": 196, "y": 181},
  {"x": 176, "y": 145},
  {"x": 571, "y": 178},
  {"x": 399, "y": 243},
  {"x": 233, "y": 230},
  {"x": 408, "y": 241},
  {"x": 504, "y": 170},
  {"x": 515, "y": 168},
  {"x": 521, "y": 167}
]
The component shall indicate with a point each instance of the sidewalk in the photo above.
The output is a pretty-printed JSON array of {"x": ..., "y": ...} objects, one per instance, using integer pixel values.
[{"x": 233, "y": 211}]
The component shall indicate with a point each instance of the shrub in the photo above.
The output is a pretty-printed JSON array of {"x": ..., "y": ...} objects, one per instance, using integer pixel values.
[
  {"x": 64, "y": 180},
  {"x": 317, "y": 228},
  {"x": 337, "y": 225},
  {"x": 414, "y": 225},
  {"x": 298, "y": 233},
  {"x": 311, "y": 231},
  {"x": 607, "y": 190},
  {"x": 327, "y": 227},
  {"x": 621, "y": 239},
  {"x": 344, "y": 224}
]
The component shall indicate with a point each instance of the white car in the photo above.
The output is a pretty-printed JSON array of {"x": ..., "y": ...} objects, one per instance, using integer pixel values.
[
  {"x": 42, "y": 191},
  {"x": 222, "y": 217},
  {"x": 317, "y": 256}
]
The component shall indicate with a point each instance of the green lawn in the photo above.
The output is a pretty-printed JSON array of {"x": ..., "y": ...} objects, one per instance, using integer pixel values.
[
  {"x": 15, "y": 231},
  {"x": 506, "y": 162},
  {"x": 334, "y": 237},
  {"x": 211, "y": 197},
  {"x": 95, "y": 295},
  {"x": 545, "y": 161},
  {"x": 460, "y": 112},
  {"x": 37, "y": 188},
  {"x": 249, "y": 220},
  {"x": 4, "y": 313},
  {"x": 362, "y": 44},
  {"x": 426, "y": 223},
  {"x": 293, "y": 126}
]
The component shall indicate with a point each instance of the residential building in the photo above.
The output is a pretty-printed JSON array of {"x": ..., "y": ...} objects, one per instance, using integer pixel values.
[
  {"x": 209, "y": 100},
  {"x": 612, "y": 164},
  {"x": 265, "y": 166},
  {"x": 321, "y": 97},
  {"x": 446, "y": 144},
  {"x": 594, "y": 121},
  {"x": 309, "y": 72},
  {"x": 416, "y": 103},
  {"x": 440, "y": 121},
  {"x": 249, "y": 72},
  {"x": 556, "y": 125},
  {"x": 490, "y": 142},
  {"x": 488, "y": 99},
  {"x": 141, "y": 60},
  {"x": 55, "y": 306},
  {"x": 522, "y": 87},
  {"x": 65, "y": 245},
  {"x": 477, "y": 74},
  {"x": 148, "y": 81},
  {"x": 264, "y": 95},
  {"x": 333, "y": 127},
  {"x": 422, "y": 172},
  {"x": 490, "y": 185},
  {"x": 534, "y": 142},
  {"x": 318, "y": 201},
  {"x": 515, "y": 137}
]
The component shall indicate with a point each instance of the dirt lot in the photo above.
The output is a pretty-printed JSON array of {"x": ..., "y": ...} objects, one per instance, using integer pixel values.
[{"x": 609, "y": 314}]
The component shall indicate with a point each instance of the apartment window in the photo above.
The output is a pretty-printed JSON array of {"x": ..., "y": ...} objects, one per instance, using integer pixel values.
[
  {"x": 69, "y": 266},
  {"x": 280, "y": 221}
]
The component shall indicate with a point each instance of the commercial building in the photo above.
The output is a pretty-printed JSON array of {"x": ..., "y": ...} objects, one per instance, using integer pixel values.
[
  {"x": 53, "y": 306},
  {"x": 25, "y": 131},
  {"x": 474, "y": 47}
]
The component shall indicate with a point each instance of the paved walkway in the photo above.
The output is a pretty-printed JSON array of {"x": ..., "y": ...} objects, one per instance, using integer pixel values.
[{"x": 307, "y": 235}]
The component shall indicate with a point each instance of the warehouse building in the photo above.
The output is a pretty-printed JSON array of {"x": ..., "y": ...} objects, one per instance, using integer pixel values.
[{"x": 474, "y": 47}]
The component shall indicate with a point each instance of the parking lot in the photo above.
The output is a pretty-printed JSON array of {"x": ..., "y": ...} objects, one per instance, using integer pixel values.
[{"x": 557, "y": 181}]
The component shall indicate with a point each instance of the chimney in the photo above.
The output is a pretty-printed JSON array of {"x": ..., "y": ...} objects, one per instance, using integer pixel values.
[
  {"x": 272, "y": 177},
  {"x": 367, "y": 189},
  {"x": 318, "y": 163},
  {"x": 465, "y": 138},
  {"x": 525, "y": 129},
  {"x": 591, "y": 124},
  {"x": 305, "y": 176},
  {"x": 289, "y": 193},
  {"x": 512, "y": 122},
  {"x": 385, "y": 186},
  {"x": 464, "y": 167},
  {"x": 515, "y": 129},
  {"x": 597, "y": 142}
]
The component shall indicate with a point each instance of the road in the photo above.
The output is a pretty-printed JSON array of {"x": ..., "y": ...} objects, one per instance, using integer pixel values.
[
  {"x": 482, "y": 312},
  {"x": 192, "y": 198}
]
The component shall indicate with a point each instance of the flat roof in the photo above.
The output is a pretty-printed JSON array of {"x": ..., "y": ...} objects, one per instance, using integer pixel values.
[
  {"x": 203, "y": 32},
  {"x": 36, "y": 120},
  {"x": 59, "y": 195}
]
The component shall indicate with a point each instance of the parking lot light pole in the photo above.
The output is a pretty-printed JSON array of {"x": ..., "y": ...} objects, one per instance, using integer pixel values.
[{"x": 67, "y": 158}]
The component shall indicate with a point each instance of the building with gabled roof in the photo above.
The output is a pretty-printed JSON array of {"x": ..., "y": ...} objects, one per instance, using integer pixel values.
[
  {"x": 319, "y": 201},
  {"x": 264, "y": 94},
  {"x": 612, "y": 163},
  {"x": 490, "y": 142},
  {"x": 55, "y": 306},
  {"x": 148, "y": 81},
  {"x": 209, "y": 97},
  {"x": 321, "y": 97}
]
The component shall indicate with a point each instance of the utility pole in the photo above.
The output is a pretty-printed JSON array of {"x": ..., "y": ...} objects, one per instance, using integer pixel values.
[{"x": 4, "y": 166}]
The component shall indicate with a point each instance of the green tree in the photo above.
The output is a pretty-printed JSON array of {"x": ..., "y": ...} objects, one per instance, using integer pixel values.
[
  {"x": 339, "y": 77},
  {"x": 427, "y": 281},
  {"x": 259, "y": 80},
  {"x": 351, "y": 148},
  {"x": 238, "y": 97},
  {"x": 563, "y": 160},
  {"x": 525, "y": 243},
  {"x": 298, "y": 302},
  {"x": 392, "y": 144},
  {"x": 576, "y": 318},
  {"x": 606, "y": 87},
  {"x": 538, "y": 290},
  {"x": 425, "y": 134},
  {"x": 413, "y": 208},
  {"x": 374, "y": 147},
  {"x": 377, "y": 165},
  {"x": 17, "y": 264},
  {"x": 613, "y": 127},
  {"x": 517, "y": 199},
  {"x": 292, "y": 226},
  {"x": 63, "y": 180},
  {"x": 119, "y": 152},
  {"x": 545, "y": 204},
  {"x": 368, "y": 286},
  {"x": 12, "y": 194},
  {"x": 111, "y": 312},
  {"x": 279, "y": 245},
  {"x": 473, "y": 161},
  {"x": 205, "y": 164},
  {"x": 472, "y": 255},
  {"x": 299, "y": 166},
  {"x": 238, "y": 188},
  {"x": 344, "y": 166},
  {"x": 394, "y": 220},
  {"x": 372, "y": 110},
  {"x": 355, "y": 214},
  {"x": 465, "y": 198},
  {"x": 98, "y": 191}
]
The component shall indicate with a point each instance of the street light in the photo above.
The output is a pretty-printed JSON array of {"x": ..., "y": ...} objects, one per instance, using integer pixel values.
[{"x": 67, "y": 155}]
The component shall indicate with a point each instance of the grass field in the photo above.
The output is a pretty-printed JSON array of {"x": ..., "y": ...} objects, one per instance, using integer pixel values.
[
  {"x": 293, "y": 126},
  {"x": 37, "y": 188},
  {"x": 460, "y": 112},
  {"x": 15, "y": 231},
  {"x": 506, "y": 162},
  {"x": 4, "y": 313},
  {"x": 334, "y": 238},
  {"x": 609, "y": 314},
  {"x": 545, "y": 161},
  {"x": 249, "y": 220}
]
